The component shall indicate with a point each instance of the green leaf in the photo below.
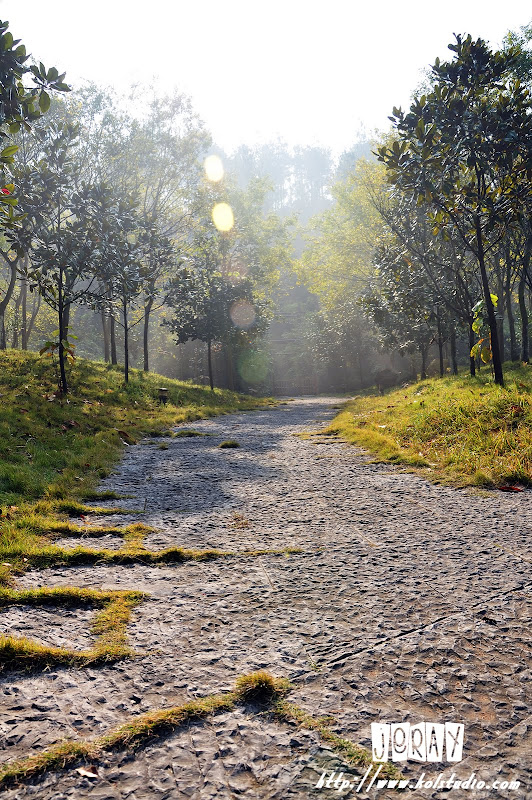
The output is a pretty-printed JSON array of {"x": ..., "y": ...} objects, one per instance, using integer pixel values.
[
  {"x": 10, "y": 151},
  {"x": 44, "y": 101}
]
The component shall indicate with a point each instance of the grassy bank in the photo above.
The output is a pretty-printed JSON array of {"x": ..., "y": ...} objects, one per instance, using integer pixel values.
[
  {"x": 54, "y": 450},
  {"x": 459, "y": 430}
]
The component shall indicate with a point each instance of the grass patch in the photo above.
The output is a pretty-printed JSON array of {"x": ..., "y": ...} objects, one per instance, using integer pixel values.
[
  {"x": 256, "y": 688},
  {"x": 132, "y": 553},
  {"x": 109, "y": 627},
  {"x": 239, "y": 521},
  {"x": 459, "y": 430},
  {"x": 229, "y": 443},
  {"x": 184, "y": 433}
]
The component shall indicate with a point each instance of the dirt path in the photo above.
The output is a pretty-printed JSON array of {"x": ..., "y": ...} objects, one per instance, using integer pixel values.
[{"x": 408, "y": 602}]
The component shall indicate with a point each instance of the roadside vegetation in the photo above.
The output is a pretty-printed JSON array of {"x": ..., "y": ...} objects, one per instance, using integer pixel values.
[{"x": 459, "y": 430}]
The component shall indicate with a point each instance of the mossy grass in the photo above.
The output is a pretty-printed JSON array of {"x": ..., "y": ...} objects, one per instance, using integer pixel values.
[
  {"x": 229, "y": 443},
  {"x": 133, "y": 553},
  {"x": 109, "y": 627},
  {"x": 259, "y": 689},
  {"x": 458, "y": 430}
]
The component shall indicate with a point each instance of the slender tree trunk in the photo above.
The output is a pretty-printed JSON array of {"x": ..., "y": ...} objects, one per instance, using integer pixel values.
[
  {"x": 209, "y": 361},
  {"x": 112, "y": 332},
  {"x": 14, "y": 340},
  {"x": 24, "y": 312},
  {"x": 440, "y": 343},
  {"x": 423, "y": 352},
  {"x": 514, "y": 350},
  {"x": 105, "y": 331},
  {"x": 500, "y": 316},
  {"x": 524, "y": 319},
  {"x": 61, "y": 319},
  {"x": 66, "y": 319},
  {"x": 495, "y": 347},
  {"x": 35, "y": 308},
  {"x": 472, "y": 366},
  {"x": 126, "y": 342},
  {"x": 452, "y": 343},
  {"x": 6, "y": 298},
  {"x": 145, "y": 338}
]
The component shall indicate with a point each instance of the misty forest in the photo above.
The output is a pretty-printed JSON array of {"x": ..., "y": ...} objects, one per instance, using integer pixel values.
[
  {"x": 405, "y": 256},
  {"x": 265, "y": 441}
]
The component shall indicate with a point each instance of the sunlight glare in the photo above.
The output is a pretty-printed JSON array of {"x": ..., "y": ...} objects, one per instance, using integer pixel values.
[
  {"x": 214, "y": 169},
  {"x": 222, "y": 216}
]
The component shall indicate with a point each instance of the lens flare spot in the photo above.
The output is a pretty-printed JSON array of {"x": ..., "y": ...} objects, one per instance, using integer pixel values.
[
  {"x": 253, "y": 367},
  {"x": 222, "y": 216},
  {"x": 214, "y": 169},
  {"x": 242, "y": 314}
]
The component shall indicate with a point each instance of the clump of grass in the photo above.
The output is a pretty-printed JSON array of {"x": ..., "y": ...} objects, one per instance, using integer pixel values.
[
  {"x": 187, "y": 432},
  {"x": 229, "y": 443},
  {"x": 239, "y": 521},
  {"x": 261, "y": 687},
  {"x": 75, "y": 509},
  {"x": 162, "y": 446},
  {"x": 460, "y": 430}
]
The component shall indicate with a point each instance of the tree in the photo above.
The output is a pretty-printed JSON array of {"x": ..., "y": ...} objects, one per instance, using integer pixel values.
[
  {"x": 464, "y": 149},
  {"x": 19, "y": 106}
]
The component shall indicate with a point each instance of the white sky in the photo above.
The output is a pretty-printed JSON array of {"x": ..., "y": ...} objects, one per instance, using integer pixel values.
[{"x": 308, "y": 71}]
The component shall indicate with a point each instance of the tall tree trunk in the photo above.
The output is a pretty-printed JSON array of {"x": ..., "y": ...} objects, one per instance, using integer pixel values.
[
  {"x": 514, "y": 350},
  {"x": 66, "y": 320},
  {"x": 440, "y": 343},
  {"x": 209, "y": 362},
  {"x": 14, "y": 340},
  {"x": 145, "y": 338},
  {"x": 105, "y": 331},
  {"x": 472, "y": 366},
  {"x": 495, "y": 346},
  {"x": 112, "y": 332},
  {"x": 423, "y": 352},
  {"x": 62, "y": 333},
  {"x": 7, "y": 297},
  {"x": 24, "y": 311},
  {"x": 35, "y": 308},
  {"x": 500, "y": 315},
  {"x": 452, "y": 342},
  {"x": 524, "y": 319},
  {"x": 126, "y": 342}
]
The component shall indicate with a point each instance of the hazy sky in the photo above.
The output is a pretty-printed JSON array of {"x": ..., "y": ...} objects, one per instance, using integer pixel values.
[{"x": 309, "y": 72}]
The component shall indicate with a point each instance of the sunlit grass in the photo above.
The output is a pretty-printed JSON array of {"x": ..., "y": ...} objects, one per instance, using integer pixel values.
[{"x": 462, "y": 430}]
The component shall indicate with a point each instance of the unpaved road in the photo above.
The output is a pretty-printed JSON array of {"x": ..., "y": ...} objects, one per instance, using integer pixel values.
[{"x": 409, "y": 602}]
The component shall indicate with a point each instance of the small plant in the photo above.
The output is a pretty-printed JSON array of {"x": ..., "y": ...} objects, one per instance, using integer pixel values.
[
  {"x": 187, "y": 432},
  {"x": 239, "y": 521},
  {"x": 162, "y": 446},
  {"x": 229, "y": 443}
]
